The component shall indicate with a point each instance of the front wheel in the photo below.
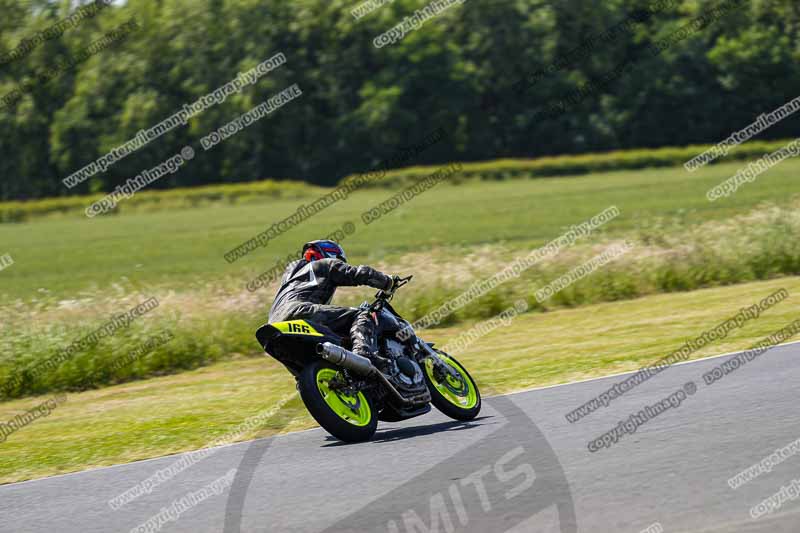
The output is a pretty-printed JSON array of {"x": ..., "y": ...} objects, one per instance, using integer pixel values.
[
  {"x": 347, "y": 415},
  {"x": 456, "y": 395}
]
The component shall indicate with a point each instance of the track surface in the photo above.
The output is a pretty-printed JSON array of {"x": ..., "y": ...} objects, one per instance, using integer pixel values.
[{"x": 672, "y": 471}]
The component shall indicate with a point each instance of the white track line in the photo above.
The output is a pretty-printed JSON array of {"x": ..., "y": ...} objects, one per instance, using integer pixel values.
[{"x": 635, "y": 371}]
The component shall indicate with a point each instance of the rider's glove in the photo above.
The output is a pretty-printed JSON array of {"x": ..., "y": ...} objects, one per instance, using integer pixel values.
[{"x": 393, "y": 284}]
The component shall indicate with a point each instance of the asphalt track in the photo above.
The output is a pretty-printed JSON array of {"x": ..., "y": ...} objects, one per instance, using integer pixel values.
[{"x": 520, "y": 467}]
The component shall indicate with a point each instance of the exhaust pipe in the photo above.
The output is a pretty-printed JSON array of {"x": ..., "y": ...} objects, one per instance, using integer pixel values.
[
  {"x": 364, "y": 367},
  {"x": 346, "y": 359}
]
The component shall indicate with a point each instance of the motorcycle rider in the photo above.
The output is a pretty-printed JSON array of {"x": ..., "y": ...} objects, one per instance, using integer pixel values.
[{"x": 307, "y": 288}]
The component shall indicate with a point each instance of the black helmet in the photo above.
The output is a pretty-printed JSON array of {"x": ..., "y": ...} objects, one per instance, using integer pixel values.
[{"x": 321, "y": 249}]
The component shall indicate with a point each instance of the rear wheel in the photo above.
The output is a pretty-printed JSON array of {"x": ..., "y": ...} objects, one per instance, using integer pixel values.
[
  {"x": 347, "y": 415},
  {"x": 455, "y": 395}
]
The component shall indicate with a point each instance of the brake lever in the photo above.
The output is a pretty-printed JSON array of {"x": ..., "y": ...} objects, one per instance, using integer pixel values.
[
  {"x": 402, "y": 282},
  {"x": 385, "y": 296}
]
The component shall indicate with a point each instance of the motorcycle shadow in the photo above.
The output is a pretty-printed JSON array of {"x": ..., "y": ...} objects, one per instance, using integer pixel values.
[{"x": 397, "y": 434}]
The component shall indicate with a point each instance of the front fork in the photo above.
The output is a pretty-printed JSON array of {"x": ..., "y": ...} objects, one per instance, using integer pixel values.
[{"x": 440, "y": 367}]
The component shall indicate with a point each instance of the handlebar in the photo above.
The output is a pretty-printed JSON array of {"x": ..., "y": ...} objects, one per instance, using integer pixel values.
[
  {"x": 399, "y": 282},
  {"x": 385, "y": 295}
]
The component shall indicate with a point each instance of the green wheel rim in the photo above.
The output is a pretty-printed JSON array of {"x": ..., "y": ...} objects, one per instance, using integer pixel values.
[
  {"x": 352, "y": 409},
  {"x": 459, "y": 391}
]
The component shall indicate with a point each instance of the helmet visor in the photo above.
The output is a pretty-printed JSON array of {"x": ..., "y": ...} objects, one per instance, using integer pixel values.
[{"x": 332, "y": 250}]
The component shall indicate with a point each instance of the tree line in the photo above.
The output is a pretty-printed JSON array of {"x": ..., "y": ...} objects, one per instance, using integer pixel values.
[{"x": 502, "y": 78}]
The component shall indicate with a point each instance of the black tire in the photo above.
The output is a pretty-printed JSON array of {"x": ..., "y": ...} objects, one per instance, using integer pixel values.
[
  {"x": 325, "y": 415},
  {"x": 446, "y": 406}
]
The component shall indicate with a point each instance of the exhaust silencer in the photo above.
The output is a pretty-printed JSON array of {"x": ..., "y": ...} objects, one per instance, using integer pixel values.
[{"x": 346, "y": 359}]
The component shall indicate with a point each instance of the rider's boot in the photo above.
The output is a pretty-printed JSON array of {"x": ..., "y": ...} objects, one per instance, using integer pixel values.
[{"x": 364, "y": 334}]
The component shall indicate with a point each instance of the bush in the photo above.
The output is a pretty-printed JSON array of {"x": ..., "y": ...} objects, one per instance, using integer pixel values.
[
  {"x": 154, "y": 200},
  {"x": 501, "y": 169},
  {"x": 574, "y": 165}
]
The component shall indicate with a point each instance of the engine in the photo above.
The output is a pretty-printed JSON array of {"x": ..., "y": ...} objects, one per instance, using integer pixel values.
[
  {"x": 408, "y": 375},
  {"x": 394, "y": 349}
]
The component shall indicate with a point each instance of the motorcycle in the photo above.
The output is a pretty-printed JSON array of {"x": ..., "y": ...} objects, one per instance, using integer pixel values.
[{"x": 347, "y": 394}]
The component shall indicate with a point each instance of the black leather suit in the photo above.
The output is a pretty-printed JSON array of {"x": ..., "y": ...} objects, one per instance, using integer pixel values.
[{"x": 307, "y": 289}]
